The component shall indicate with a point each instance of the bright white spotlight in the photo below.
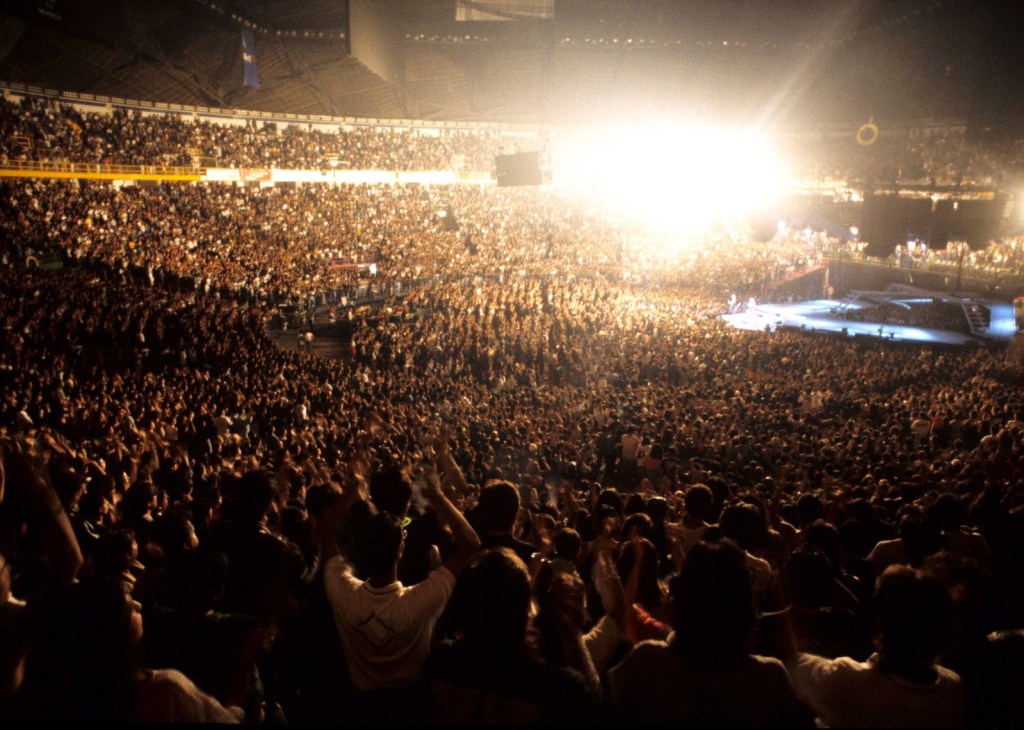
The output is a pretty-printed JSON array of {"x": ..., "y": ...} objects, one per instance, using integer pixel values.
[{"x": 680, "y": 179}]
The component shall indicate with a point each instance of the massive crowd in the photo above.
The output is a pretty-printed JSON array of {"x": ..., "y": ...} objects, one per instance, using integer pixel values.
[
  {"x": 1001, "y": 258},
  {"x": 284, "y": 244},
  {"x": 37, "y": 129},
  {"x": 557, "y": 490},
  {"x": 943, "y": 156},
  {"x": 42, "y": 129}
]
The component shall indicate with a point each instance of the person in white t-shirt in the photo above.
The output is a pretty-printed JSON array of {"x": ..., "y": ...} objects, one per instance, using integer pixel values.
[
  {"x": 901, "y": 685},
  {"x": 385, "y": 627}
]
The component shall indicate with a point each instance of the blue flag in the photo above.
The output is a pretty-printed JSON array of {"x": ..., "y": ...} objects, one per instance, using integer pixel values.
[{"x": 252, "y": 74}]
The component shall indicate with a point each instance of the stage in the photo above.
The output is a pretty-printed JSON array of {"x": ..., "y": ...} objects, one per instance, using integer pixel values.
[{"x": 984, "y": 321}]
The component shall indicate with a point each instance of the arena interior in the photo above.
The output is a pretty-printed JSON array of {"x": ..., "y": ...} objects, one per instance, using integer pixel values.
[{"x": 580, "y": 362}]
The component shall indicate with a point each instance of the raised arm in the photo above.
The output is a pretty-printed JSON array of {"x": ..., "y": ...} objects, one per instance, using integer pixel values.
[
  {"x": 449, "y": 468},
  {"x": 467, "y": 541},
  {"x": 609, "y": 587},
  {"x": 329, "y": 523},
  {"x": 26, "y": 468}
]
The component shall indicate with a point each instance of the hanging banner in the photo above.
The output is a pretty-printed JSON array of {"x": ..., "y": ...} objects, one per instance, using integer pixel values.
[
  {"x": 255, "y": 176},
  {"x": 251, "y": 73},
  {"x": 504, "y": 9}
]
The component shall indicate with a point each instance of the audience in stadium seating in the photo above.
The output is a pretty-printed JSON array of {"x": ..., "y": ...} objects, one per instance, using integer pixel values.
[
  {"x": 169, "y": 472},
  {"x": 40, "y": 129}
]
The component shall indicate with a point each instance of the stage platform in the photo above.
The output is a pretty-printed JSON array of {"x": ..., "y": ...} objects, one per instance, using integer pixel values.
[{"x": 985, "y": 322}]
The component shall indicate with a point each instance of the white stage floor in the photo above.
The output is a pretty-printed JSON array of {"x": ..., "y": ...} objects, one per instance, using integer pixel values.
[{"x": 817, "y": 316}]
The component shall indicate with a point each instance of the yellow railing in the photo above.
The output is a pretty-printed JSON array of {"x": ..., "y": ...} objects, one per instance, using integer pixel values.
[{"x": 94, "y": 171}]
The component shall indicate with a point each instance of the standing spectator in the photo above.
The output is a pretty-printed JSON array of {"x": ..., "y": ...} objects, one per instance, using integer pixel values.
[
  {"x": 496, "y": 516},
  {"x": 386, "y": 627},
  {"x": 629, "y": 455},
  {"x": 82, "y": 666},
  {"x": 900, "y": 685},
  {"x": 705, "y": 675},
  {"x": 490, "y": 676}
]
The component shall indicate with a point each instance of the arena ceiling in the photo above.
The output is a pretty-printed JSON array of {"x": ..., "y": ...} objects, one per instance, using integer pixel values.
[{"x": 776, "y": 61}]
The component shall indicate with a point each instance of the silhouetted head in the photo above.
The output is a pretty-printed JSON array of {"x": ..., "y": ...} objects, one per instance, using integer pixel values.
[
  {"x": 713, "y": 606},
  {"x": 915, "y": 616},
  {"x": 498, "y": 507},
  {"x": 491, "y": 601},
  {"x": 380, "y": 544},
  {"x": 390, "y": 491}
]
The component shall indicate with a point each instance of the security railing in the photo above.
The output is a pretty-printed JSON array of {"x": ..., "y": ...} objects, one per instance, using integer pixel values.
[{"x": 29, "y": 168}]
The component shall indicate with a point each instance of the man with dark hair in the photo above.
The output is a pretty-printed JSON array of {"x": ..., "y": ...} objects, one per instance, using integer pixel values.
[
  {"x": 390, "y": 491},
  {"x": 265, "y": 570},
  {"x": 490, "y": 675},
  {"x": 919, "y": 537},
  {"x": 705, "y": 675},
  {"x": 900, "y": 685},
  {"x": 383, "y": 539},
  {"x": 698, "y": 501},
  {"x": 385, "y": 627},
  {"x": 495, "y": 518}
]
